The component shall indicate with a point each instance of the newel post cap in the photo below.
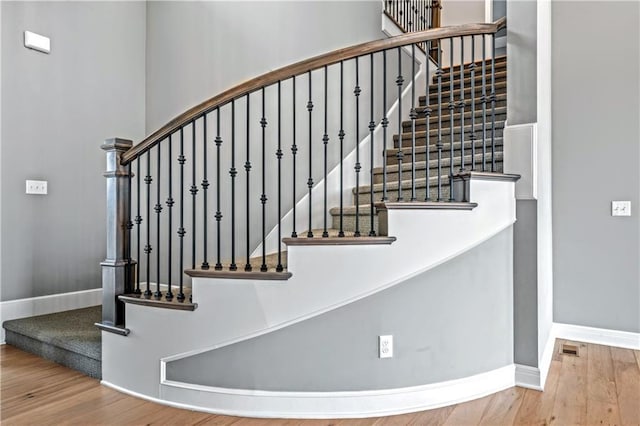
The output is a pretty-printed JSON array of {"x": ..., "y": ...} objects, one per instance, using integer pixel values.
[{"x": 116, "y": 144}]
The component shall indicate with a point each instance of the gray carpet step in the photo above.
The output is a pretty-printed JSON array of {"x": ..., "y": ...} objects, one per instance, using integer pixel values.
[
  {"x": 349, "y": 218},
  {"x": 69, "y": 338},
  {"x": 501, "y": 101},
  {"x": 421, "y": 136},
  {"x": 500, "y": 65},
  {"x": 420, "y": 151},
  {"x": 501, "y": 88},
  {"x": 500, "y": 76},
  {"x": 363, "y": 197},
  {"x": 421, "y": 166},
  {"x": 421, "y": 123}
]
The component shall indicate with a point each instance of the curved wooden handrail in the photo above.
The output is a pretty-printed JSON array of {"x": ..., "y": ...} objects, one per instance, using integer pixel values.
[{"x": 302, "y": 67}]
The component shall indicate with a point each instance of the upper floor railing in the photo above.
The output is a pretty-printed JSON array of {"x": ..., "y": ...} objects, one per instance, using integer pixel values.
[{"x": 415, "y": 15}]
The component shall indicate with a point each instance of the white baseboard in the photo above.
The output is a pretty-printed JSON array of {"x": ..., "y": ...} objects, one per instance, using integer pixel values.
[
  {"x": 528, "y": 377},
  {"x": 325, "y": 405},
  {"x": 42, "y": 305},
  {"x": 547, "y": 356},
  {"x": 598, "y": 336}
]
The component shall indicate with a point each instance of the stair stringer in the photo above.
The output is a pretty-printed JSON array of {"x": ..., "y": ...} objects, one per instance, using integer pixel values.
[{"x": 324, "y": 278}]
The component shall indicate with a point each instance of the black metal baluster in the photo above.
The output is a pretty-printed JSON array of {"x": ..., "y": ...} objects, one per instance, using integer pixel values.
[
  {"x": 357, "y": 92},
  {"x": 483, "y": 99},
  {"x": 472, "y": 69},
  {"x": 247, "y": 168},
  {"x": 372, "y": 127},
  {"x": 194, "y": 192},
  {"x": 451, "y": 112},
  {"x": 341, "y": 135},
  {"x": 427, "y": 116},
  {"x": 263, "y": 196},
  {"x": 279, "y": 267},
  {"x": 325, "y": 142},
  {"x": 127, "y": 249},
  {"x": 493, "y": 102},
  {"x": 181, "y": 231},
  {"x": 385, "y": 124},
  {"x": 205, "y": 186},
  {"x": 147, "y": 247},
  {"x": 170, "y": 203},
  {"x": 138, "y": 221},
  {"x": 158, "y": 209},
  {"x": 439, "y": 145},
  {"x": 413, "y": 115},
  {"x": 218, "y": 266},
  {"x": 461, "y": 104},
  {"x": 294, "y": 152},
  {"x": 400, "y": 153},
  {"x": 310, "y": 181},
  {"x": 233, "y": 172}
]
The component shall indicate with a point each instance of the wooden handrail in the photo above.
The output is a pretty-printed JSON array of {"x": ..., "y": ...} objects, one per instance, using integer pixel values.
[{"x": 302, "y": 67}]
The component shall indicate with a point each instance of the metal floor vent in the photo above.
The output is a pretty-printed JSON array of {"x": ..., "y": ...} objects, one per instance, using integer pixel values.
[{"x": 567, "y": 349}]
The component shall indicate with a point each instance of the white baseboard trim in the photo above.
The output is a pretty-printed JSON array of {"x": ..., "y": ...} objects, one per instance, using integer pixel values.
[
  {"x": 599, "y": 336},
  {"x": 42, "y": 305},
  {"x": 528, "y": 377},
  {"x": 544, "y": 364},
  {"x": 325, "y": 405}
]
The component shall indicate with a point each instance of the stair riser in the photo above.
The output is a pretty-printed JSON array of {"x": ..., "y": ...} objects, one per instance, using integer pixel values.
[
  {"x": 433, "y": 171},
  {"x": 446, "y": 137},
  {"x": 445, "y": 109},
  {"x": 500, "y": 77},
  {"x": 446, "y": 75},
  {"x": 349, "y": 223},
  {"x": 421, "y": 124}
]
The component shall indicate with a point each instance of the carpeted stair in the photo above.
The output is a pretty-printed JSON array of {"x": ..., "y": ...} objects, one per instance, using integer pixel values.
[{"x": 69, "y": 338}]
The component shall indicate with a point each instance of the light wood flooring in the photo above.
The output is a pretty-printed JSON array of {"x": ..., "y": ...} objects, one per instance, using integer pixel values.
[{"x": 599, "y": 387}]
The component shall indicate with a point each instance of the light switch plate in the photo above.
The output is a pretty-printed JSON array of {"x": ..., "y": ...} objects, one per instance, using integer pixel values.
[
  {"x": 621, "y": 208},
  {"x": 37, "y": 42}
]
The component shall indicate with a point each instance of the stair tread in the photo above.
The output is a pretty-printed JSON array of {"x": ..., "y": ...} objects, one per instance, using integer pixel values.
[
  {"x": 421, "y": 165},
  {"x": 364, "y": 209},
  {"x": 500, "y": 97},
  {"x": 445, "y": 131},
  {"x": 499, "y": 75},
  {"x": 500, "y": 86},
  {"x": 334, "y": 239},
  {"x": 446, "y": 147},
  {"x": 456, "y": 116},
  {"x": 271, "y": 261},
  {"x": 498, "y": 59}
]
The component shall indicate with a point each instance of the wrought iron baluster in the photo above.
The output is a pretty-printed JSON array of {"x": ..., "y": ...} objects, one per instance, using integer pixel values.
[
  {"x": 372, "y": 127},
  {"x": 170, "y": 203},
  {"x": 263, "y": 196},
  {"x": 325, "y": 143},
  {"x": 158, "y": 209},
  {"x": 357, "y": 167},
  {"x": 461, "y": 104},
  {"x": 385, "y": 124},
  {"x": 279, "y": 267},
  {"x": 218, "y": 216},
  {"x": 439, "y": 144},
  {"x": 147, "y": 249},
  {"x": 294, "y": 152},
  {"x": 138, "y": 221},
  {"x": 310, "y": 181},
  {"x": 247, "y": 169},
  {"x": 413, "y": 115},
  {"x": 194, "y": 192},
  {"x": 181, "y": 231},
  {"x": 483, "y": 99},
  {"x": 472, "y": 69},
  {"x": 493, "y": 102},
  {"x": 233, "y": 172},
  {"x": 400, "y": 153},
  {"x": 451, "y": 128},
  {"x": 205, "y": 187},
  {"x": 427, "y": 116},
  {"x": 341, "y": 135},
  {"x": 127, "y": 247}
]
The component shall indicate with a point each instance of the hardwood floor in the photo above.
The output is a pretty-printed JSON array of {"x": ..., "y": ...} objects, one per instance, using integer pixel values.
[{"x": 600, "y": 386}]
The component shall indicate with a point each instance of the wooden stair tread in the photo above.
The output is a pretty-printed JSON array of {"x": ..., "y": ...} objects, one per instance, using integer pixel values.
[
  {"x": 421, "y": 165},
  {"x": 334, "y": 240},
  {"x": 499, "y": 125},
  {"x": 271, "y": 261},
  {"x": 136, "y": 299},
  {"x": 446, "y": 146}
]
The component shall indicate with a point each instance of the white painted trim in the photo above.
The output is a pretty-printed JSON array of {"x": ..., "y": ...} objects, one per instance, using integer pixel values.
[
  {"x": 42, "y": 305},
  {"x": 521, "y": 157},
  {"x": 544, "y": 364},
  {"x": 527, "y": 377},
  {"x": 599, "y": 336},
  {"x": 488, "y": 11},
  {"x": 325, "y": 405}
]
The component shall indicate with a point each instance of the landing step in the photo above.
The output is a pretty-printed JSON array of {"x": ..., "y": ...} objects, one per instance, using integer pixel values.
[
  {"x": 271, "y": 273},
  {"x": 51, "y": 337},
  {"x": 136, "y": 299},
  {"x": 334, "y": 240}
]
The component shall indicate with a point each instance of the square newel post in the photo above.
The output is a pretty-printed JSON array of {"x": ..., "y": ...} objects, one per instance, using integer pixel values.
[{"x": 116, "y": 268}]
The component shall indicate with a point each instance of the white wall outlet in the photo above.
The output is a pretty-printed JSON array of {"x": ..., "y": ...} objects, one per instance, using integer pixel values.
[
  {"x": 37, "y": 187},
  {"x": 621, "y": 208},
  {"x": 37, "y": 42},
  {"x": 385, "y": 346}
]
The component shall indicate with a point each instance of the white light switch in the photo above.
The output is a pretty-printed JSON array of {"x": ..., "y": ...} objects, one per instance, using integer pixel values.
[
  {"x": 621, "y": 208},
  {"x": 38, "y": 187},
  {"x": 37, "y": 42}
]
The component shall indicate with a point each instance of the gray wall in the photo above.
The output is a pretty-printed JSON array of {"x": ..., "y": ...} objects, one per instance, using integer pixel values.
[
  {"x": 56, "y": 111},
  {"x": 451, "y": 322},
  {"x": 596, "y": 159}
]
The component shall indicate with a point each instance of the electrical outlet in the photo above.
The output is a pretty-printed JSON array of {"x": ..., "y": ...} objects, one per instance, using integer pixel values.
[
  {"x": 385, "y": 346},
  {"x": 38, "y": 187},
  {"x": 621, "y": 208}
]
